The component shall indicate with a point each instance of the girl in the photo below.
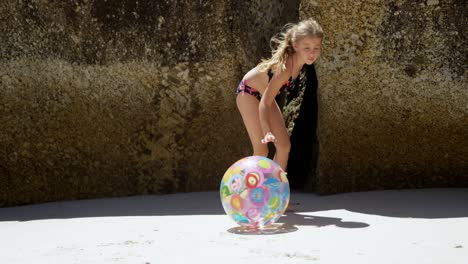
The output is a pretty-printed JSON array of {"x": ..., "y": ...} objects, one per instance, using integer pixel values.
[{"x": 298, "y": 45}]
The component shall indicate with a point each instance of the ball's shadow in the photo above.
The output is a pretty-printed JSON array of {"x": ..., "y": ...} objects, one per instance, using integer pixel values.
[{"x": 273, "y": 229}]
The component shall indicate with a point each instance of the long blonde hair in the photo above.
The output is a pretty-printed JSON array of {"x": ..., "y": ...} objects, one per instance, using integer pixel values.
[{"x": 282, "y": 43}]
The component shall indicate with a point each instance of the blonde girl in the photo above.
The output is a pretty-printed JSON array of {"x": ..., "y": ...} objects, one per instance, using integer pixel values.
[{"x": 299, "y": 44}]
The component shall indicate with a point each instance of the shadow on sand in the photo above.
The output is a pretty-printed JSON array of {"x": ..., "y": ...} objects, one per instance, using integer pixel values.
[
  {"x": 421, "y": 203},
  {"x": 274, "y": 229},
  {"x": 288, "y": 222}
]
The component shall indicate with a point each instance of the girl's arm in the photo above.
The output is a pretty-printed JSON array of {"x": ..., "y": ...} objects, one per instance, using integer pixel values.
[{"x": 268, "y": 98}]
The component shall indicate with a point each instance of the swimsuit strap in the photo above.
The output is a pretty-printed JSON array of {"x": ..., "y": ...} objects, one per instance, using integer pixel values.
[
  {"x": 243, "y": 86},
  {"x": 270, "y": 71},
  {"x": 270, "y": 74}
]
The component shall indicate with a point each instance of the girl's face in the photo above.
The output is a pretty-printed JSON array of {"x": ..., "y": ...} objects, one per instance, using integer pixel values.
[{"x": 308, "y": 49}]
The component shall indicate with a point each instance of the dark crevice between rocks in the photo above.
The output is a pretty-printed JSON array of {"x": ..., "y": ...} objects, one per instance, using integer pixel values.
[{"x": 303, "y": 158}]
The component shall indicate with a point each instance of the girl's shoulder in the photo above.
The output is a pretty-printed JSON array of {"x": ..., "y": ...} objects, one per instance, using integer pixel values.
[
  {"x": 282, "y": 71},
  {"x": 285, "y": 67}
]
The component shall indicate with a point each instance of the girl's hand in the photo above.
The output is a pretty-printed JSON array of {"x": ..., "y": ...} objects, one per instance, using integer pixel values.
[{"x": 269, "y": 137}]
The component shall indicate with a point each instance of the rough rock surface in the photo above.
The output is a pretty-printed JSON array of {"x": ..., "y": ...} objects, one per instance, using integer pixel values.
[
  {"x": 112, "y": 98},
  {"x": 393, "y": 94}
]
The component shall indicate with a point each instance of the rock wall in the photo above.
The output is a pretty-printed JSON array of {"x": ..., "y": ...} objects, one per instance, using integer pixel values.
[
  {"x": 112, "y": 98},
  {"x": 392, "y": 94}
]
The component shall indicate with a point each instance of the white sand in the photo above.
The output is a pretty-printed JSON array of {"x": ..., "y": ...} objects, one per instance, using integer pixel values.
[{"x": 410, "y": 226}]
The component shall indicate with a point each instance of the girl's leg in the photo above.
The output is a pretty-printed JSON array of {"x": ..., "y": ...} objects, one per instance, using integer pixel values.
[
  {"x": 283, "y": 143},
  {"x": 248, "y": 107}
]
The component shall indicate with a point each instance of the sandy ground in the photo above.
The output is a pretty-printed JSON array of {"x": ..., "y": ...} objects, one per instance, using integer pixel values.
[{"x": 408, "y": 226}]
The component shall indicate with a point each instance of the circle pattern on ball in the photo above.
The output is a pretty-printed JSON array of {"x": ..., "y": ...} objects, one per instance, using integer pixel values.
[{"x": 254, "y": 191}]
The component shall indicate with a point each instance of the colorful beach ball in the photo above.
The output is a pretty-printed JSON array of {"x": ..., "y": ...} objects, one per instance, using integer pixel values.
[{"x": 255, "y": 191}]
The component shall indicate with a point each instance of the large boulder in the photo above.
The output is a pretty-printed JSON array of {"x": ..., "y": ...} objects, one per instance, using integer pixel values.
[
  {"x": 392, "y": 94},
  {"x": 112, "y": 98}
]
